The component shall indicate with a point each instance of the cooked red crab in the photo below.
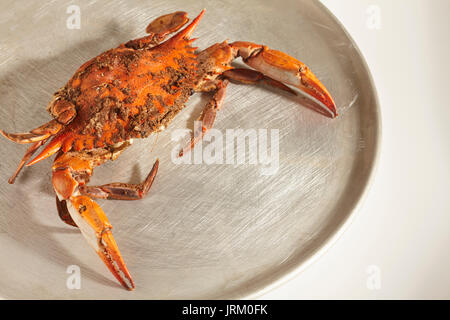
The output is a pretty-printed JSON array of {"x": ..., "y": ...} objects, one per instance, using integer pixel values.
[{"x": 130, "y": 92}]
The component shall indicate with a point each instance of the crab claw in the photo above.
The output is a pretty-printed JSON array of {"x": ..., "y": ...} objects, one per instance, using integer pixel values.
[
  {"x": 284, "y": 68},
  {"x": 93, "y": 224}
]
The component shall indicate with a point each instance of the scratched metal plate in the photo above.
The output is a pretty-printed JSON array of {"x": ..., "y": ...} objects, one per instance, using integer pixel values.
[{"x": 206, "y": 231}]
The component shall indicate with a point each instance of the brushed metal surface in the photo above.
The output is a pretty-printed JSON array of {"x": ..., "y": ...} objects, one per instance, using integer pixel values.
[{"x": 205, "y": 231}]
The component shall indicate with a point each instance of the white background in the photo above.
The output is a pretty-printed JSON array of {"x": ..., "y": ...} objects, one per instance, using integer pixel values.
[{"x": 403, "y": 227}]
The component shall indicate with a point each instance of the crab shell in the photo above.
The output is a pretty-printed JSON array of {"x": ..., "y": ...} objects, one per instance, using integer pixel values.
[{"x": 125, "y": 93}]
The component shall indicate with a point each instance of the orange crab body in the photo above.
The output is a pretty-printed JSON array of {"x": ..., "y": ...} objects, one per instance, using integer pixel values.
[
  {"x": 126, "y": 93},
  {"x": 130, "y": 92}
]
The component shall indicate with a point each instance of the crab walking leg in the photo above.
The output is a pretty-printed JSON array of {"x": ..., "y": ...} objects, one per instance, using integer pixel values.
[
  {"x": 284, "y": 68},
  {"x": 70, "y": 170},
  {"x": 248, "y": 76},
  {"x": 38, "y": 137},
  {"x": 115, "y": 191},
  {"x": 40, "y": 133},
  {"x": 208, "y": 116},
  {"x": 159, "y": 29},
  {"x": 62, "y": 110},
  {"x": 31, "y": 150},
  {"x": 167, "y": 24},
  {"x": 122, "y": 191}
]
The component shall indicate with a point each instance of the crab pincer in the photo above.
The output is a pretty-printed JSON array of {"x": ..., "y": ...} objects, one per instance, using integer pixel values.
[
  {"x": 96, "y": 229},
  {"x": 285, "y": 69}
]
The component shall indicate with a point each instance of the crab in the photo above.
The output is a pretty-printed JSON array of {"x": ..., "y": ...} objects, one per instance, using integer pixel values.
[{"x": 131, "y": 92}]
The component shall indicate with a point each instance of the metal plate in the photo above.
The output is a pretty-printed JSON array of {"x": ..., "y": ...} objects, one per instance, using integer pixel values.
[{"x": 206, "y": 231}]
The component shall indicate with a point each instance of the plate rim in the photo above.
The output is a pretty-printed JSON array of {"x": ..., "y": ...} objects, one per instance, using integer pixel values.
[
  {"x": 298, "y": 267},
  {"x": 289, "y": 272}
]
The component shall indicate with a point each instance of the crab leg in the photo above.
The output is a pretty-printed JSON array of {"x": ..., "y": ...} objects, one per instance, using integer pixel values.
[
  {"x": 70, "y": 170},
  {"x": 284, "y": 68},
  {"x": 167, "y": 24},
  {"x": 40, "y": 133},
  {"x": 208, "y": 116},
  {"x": 62, "y": 110},
  {"x": 249, "y": 76},
  {"x": 31, "y": 150},
  {"x": 159, "y": 29},
  {"x": 122, "y": 191}
]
